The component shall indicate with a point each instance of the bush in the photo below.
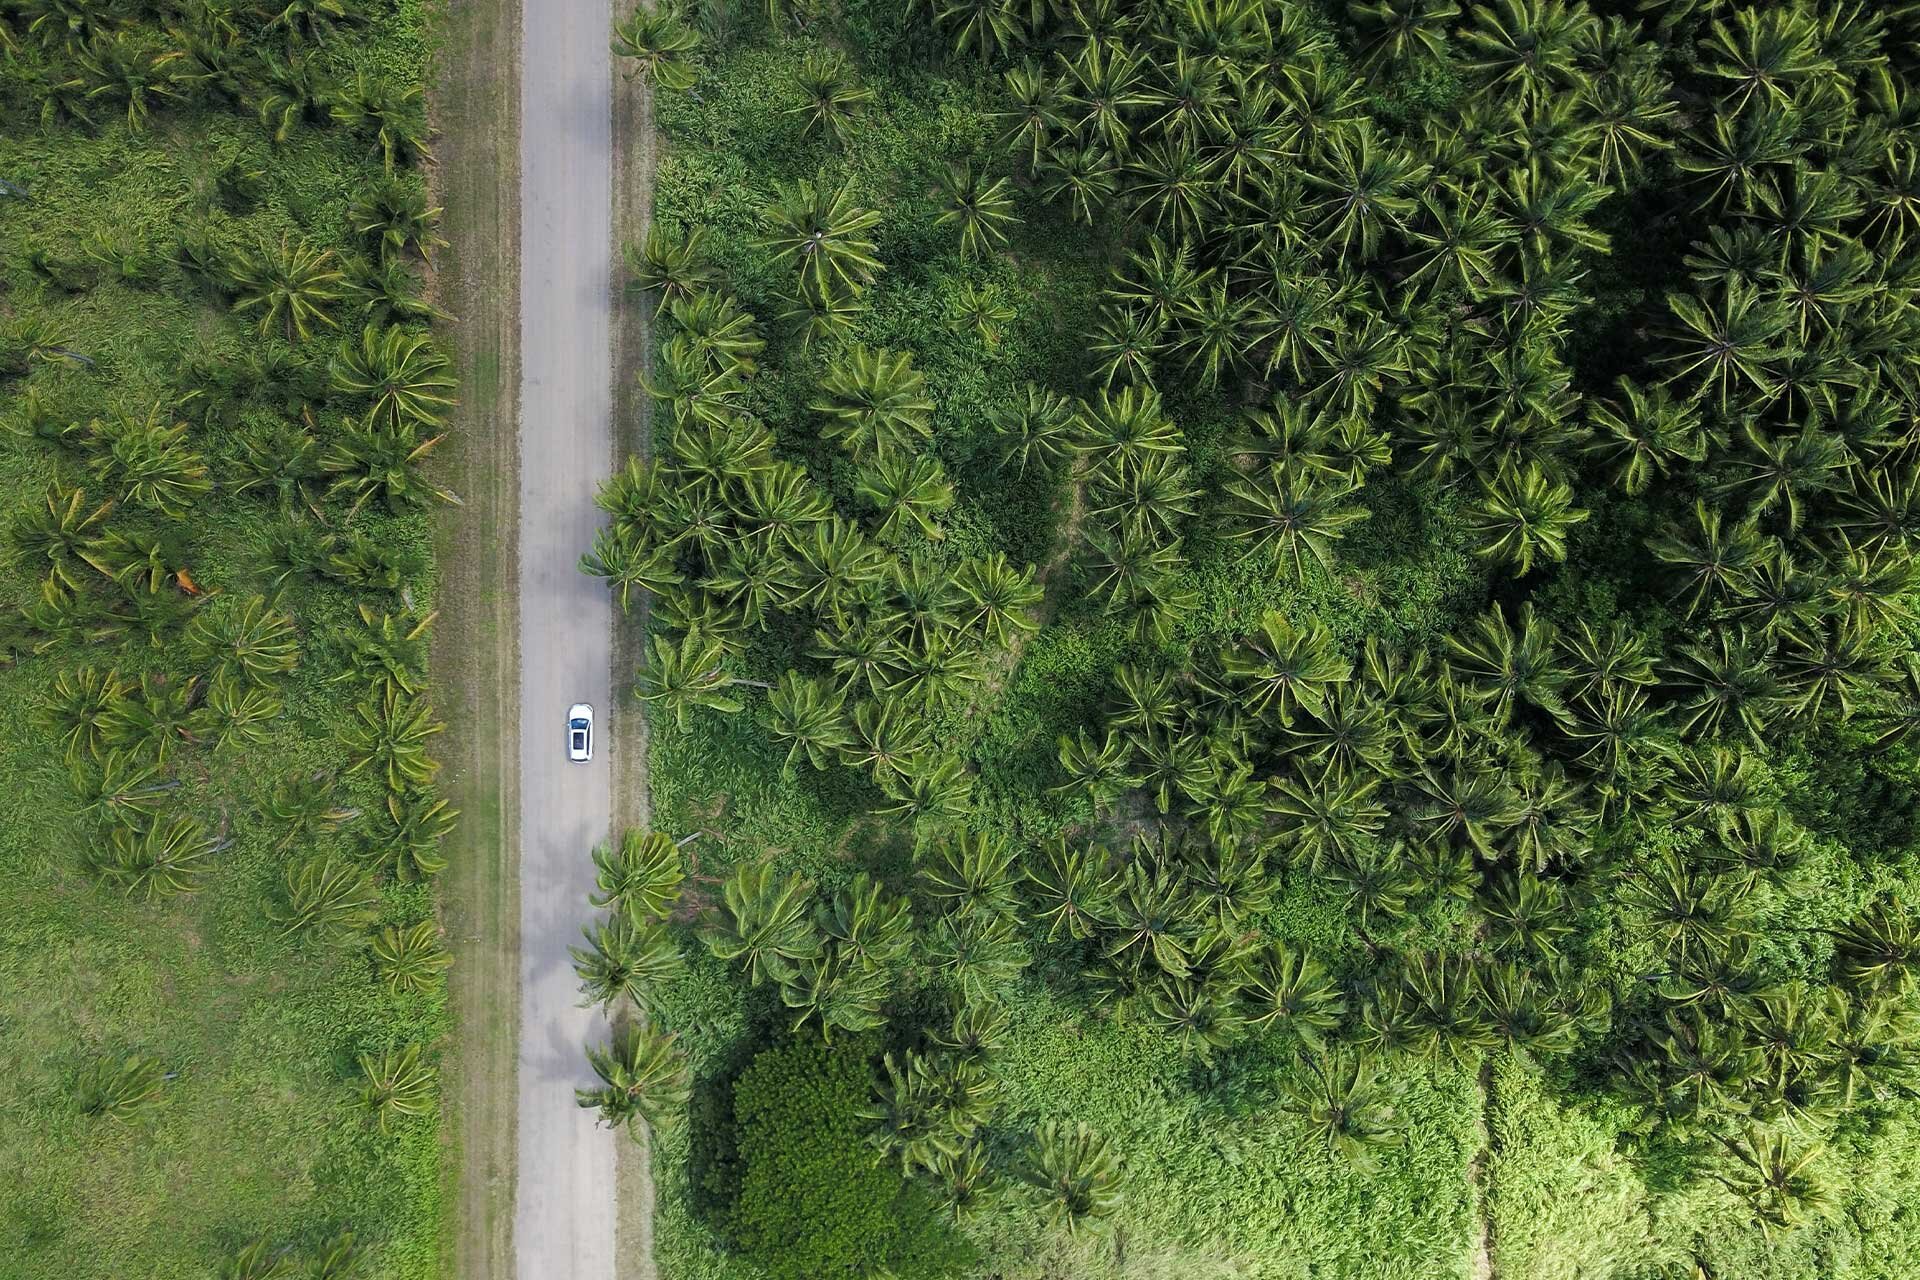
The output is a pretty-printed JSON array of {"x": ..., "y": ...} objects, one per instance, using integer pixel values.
[{"x": 811, "y": 1201}]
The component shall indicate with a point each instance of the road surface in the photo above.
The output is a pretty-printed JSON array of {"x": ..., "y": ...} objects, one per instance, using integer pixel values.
[{"x": 564, "y": 1212}]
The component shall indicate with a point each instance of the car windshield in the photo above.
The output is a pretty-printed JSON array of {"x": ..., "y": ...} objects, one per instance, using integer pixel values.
[{"x": 579, "y": 724}]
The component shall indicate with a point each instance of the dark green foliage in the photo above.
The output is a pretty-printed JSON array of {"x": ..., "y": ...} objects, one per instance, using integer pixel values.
[
  {"x": 1444, "y": 471},
  {"x": 811, "y": 1200}
]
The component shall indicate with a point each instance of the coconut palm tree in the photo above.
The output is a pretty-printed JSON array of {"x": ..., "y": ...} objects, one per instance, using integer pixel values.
[
  {"x": 289, "y": 285},
  {"x": 658, "y": 46},
  {"x": 823, "y": 233},
  {"x": 395, "y": 116},
  {"x": 971, "y": 873},
  {"x": 1524, "y": 513},
  {"x": 978, "y": 208},
  {"x": 56, "y": 535},
  {"x": 689, "y": 675},
  {"x": 830, "y": 99},
  {"x": 624, "y": 960},
  {"x": 1076, "y": 1172},
  {"x": 409, "y": 959},
  {"x": 670, "y": 263},
  {"x": 764, "y": 921},
  {"x": 640, "y": 877},
  {"x": 875, "y": 402},
  {"x": 150, "y": 461},
  {"x": 398, "y": 1085},
  {"x": 158, "y": 860},
  {"x": 402, "y": 373},
  {"x": 328, "y": 900},
  {"x": 643, "y": 1076}
]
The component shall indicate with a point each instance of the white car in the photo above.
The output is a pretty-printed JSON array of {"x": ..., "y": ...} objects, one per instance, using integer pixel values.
[{"x": 580, "y": 733}]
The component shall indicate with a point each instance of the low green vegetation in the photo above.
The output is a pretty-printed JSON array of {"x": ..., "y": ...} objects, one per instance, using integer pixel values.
[
  {"x": 221, "y": 991},
  {"x": 1288, "y": 629}
]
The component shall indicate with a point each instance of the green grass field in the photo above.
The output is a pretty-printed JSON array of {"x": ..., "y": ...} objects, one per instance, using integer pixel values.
[{"x": 258, "y": 1133}]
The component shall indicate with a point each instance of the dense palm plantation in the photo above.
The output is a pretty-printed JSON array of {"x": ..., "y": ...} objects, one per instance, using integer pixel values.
[
  {"x": 1369, "y": 545},
  {"x": 224, "y": 979}
]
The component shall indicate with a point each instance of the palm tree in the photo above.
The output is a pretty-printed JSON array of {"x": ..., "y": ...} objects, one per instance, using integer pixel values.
[
  {"x": 690, "y": 675},
  {"x": 1076, "y": 1171},
  {"x": 830, "y": 96},
  {"x": 376, "y": 457},
  {"x": 1776, "y": 1177},
  {"x": 1732, "y": 346},
  {"x": 905, "y": 493},
  {"x": 1880, "y": 947},
  {"x": 640, "y": 877},
  {"x": 57, "y": 537},
  {"x": 621, "y": 554},
  {"x": 390, "y": 730},
  {"x": 658, "y": 43},
  {"x": 1071, "y": 888},
  {"x": 1524, "y": 513},
  {"x": 159, "y": 860},
  {"x": 1401, "y": 31},
  {"x": 971, "y": 873},
  {"x": 395, "y": 214},
  {"x": 410, "y": 842},
  {"x": 764, "y": 921},
  {"x": 864, "y": 924},
  {"x": 287, "y": 284},
  {"x": 235, "y": 714},
  {"x": 979, "y": 955},
  {"x": 395, "y": 116},
  {"x": 963, "y": 1182},
  {"x": 1286, "y": 987},
  {"x": 875, "y": 402},
  {"x": 1285, "y": 512},
  {"x": 398, "y": 1085},
  {"x": 643, "y": 1076},
  {"x": 979, "y": 209},
  {"x": 1285, "y": 668},
  {"x": 625, "y": 960},
  {"x": 254, "y": 641},
  {"x": 305, "y": 806},
  {"x": 823, "y": 232},
  {"x": 808, "y": 714},
  {"x": 120, "y": 1088},
  {"x": 151, "y": 462},
  {"x": 1345, "y": 1105},
  {"x": 1368, "y": 187},
  {"x": 1096, "y": 770},
  {"x": 81, "y": 710},
  {"x": 256, "y": 1261},
  {"x": 671, "y": 264},
  {"x": 1648, "y": 435},
  {"x": 122, "y": 791},
  {"x": 401, "y": 372},
  {"x": 410, "y": 958},
  {"x": 328, "y": 901}
]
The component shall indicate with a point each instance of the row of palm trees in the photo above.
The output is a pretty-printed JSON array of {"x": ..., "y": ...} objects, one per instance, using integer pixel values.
[{"x": 1590, "y": 793}]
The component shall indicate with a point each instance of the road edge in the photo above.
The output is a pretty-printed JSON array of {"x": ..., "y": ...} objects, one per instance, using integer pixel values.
[
  {"x": 475, "y": 107},
  {"x": 635, "y": 150}
]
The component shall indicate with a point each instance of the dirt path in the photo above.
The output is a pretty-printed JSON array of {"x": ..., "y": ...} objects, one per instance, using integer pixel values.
[
  {"x": 565, "y": 1207},
  {"x": 475, "y": 107}
]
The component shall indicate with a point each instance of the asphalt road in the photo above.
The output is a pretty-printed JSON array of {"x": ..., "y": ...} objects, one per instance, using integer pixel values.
[{"x": 564, "y": 1212}]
